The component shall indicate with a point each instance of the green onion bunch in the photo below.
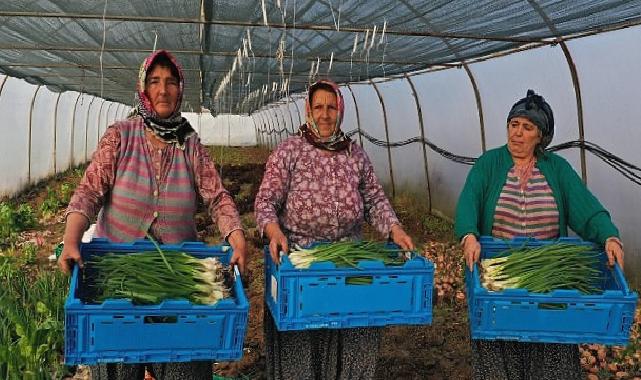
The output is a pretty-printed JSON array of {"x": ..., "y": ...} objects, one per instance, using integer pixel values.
[
  {"x": 151, "y": 277},
  {"x": 345, "y": 254},
  {"x": 544, "y": 269}
]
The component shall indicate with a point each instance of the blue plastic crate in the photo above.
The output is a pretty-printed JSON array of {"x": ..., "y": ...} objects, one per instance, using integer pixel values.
[
  {"x": 321, "y": 297},
  {"x": 172, "y": 331},
  {"x": 561, "y": 316}
]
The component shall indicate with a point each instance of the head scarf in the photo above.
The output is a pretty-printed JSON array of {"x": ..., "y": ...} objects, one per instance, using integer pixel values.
[
  {"x": 338, "y": 140},
  {"x": 174, "y": 129},
  {"x": 539, "y": 112}
]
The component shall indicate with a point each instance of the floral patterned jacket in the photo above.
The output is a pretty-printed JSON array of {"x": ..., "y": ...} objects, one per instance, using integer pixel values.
[{"x": 320, "y": 195}]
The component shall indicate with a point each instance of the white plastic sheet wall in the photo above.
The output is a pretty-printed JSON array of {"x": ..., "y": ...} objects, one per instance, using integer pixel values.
[
  {"x": 610, "y": 87},
  {"x": 451, "y": 121},
  {"x": 229, "y": 130},
  {"x": 15, "y": 103},
  {"x": 608, "y": 66},
  {"x": 47, "y": 132}
]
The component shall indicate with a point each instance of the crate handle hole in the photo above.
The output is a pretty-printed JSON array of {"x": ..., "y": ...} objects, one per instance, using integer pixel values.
[
  {"x": 160, "y": 319},
  {"x": 553, "y": 306},
  {"x": 359, "y": 280}
]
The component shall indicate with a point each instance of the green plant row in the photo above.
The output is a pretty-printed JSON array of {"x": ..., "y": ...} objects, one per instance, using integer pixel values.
[{"x": 31, "y": 322}]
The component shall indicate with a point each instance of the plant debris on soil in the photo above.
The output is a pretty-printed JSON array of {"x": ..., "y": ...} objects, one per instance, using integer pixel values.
[{"x": 438, "y": 351}]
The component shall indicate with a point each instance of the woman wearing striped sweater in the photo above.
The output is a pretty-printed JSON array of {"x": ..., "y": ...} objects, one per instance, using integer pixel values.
[
  {"x": 145, "y": 177},
  {"x": 519, "y": 189}
]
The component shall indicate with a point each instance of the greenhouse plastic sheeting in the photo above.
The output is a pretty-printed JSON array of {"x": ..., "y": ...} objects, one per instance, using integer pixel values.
[{"x": 96, "y": 47}]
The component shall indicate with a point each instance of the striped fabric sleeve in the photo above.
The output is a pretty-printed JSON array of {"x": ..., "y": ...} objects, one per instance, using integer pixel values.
[{"x": 98, "y": 178}]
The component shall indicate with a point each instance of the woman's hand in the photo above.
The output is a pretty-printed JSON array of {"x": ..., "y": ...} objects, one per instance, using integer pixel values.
[
  {"x": 471, "y": 250},
  {"x": 277, "y": 241},
  {"x": 614, "y": 250},
  {"x": 70, "y": 254},
  {"x": 237, "y": 241},
  {"x": 76, "y": 225},
  {"x": 402, "y": 239}
]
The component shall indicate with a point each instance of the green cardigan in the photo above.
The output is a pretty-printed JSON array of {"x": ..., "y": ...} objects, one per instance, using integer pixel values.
[{"x": 578, "y": 208}]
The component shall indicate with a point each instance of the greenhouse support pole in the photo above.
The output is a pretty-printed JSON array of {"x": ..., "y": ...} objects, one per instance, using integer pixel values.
[
  {"x": 33, "y": 101},
  {"x": 282, "y": 114},
  {"x": 106, "y": 122},
  {"x": 479, "y": 105},
  {"x": 87, "y": 126},
  {"x": 99, "y": 122},
  {"x": 264, "y": 128},
  {"x": 4, "y": 80},
  {"x": 454, "y": 50},
  {"x": 358, "y": 115},
  {"x": 73, "y": 131},
  {"x": 272, "y": 133},
  {"x": 268, "y": 127},
  {"x": 300, "y": 120},
  {"x": 261, "y": 129},
  {"x": 575, "y": 82},
  {"x": 277, "y": 128},
  {"x": 55, "y": 133},
  {"x": 267, "y": 136},
  {"x": 389, "y": 149},
  {"x": 283, "y": 127},
  {"x": 421, "y": 128},
  {"x": 255, "y": 129},
  {"x": 291, "y": 118}
]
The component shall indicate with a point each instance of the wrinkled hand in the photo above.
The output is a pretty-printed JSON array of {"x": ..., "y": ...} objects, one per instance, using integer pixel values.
[
  {"x": 471, "y": 251},
  {"x": 277, "y": 241},
  {"x": 237, "y": 241},
  {"x": 614, "y": 251},
  {"x": 401, "y": 238},
  {"x": 70, "y": 255}
]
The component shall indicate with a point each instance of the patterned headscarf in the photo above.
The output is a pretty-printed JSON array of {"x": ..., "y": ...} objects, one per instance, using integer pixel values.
[
  {"x": 338, "y": 140},
  {"x": 174, "y": 129},
  {"x": 539, "y": 112}
]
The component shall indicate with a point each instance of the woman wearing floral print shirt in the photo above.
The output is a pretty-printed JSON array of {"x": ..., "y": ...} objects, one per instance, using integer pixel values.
[{"x": 319, "y": 185}]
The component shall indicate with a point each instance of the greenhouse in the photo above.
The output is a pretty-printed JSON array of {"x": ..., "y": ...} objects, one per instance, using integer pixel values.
[{"x": 428, "y": 87}]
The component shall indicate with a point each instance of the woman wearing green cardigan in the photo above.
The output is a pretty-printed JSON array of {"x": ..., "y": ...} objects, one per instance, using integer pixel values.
[{"x": 519, "y": 189}]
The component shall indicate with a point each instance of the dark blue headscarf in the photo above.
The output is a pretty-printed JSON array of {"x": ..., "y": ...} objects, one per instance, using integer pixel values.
[{"x": 539, "y": 112}]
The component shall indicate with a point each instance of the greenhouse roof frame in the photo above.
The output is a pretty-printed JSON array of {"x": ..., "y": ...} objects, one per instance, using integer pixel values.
[{"x": 239, "y": 55}]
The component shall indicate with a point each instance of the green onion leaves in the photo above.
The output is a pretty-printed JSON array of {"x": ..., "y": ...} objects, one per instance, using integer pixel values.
[{"x": 544, "y": 269}]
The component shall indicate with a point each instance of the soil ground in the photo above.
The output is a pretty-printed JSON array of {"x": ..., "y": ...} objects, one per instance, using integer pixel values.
[{"x": 438, "y": 351}]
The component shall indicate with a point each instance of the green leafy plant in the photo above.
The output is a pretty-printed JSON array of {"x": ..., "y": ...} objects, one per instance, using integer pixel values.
[
  {"x": 14, "y": 220},
  {"x": 24, "y": 217},
  {"x": 51, "y": 204},
  {"x": 31, "y": 322},
  {"x": 29, "y": 253},
  {"x": 78, "y": 172},
  {"x": 66, "y": 191}
]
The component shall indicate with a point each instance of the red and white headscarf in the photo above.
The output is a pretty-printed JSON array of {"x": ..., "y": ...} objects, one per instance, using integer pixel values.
[
  {"x": 174, "y": 129},
  {"x": 338, "y": 140}
]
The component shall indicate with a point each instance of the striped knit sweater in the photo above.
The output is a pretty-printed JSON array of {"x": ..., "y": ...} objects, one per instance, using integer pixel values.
[
  {"x": 139, "y": 196},
  {"x": 530, "y": 211},
  {"x": 577, "y": 206}
]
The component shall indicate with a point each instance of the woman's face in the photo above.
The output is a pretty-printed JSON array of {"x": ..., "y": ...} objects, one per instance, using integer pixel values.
[
  {"x": 162, "y": 90},
  {"x": 522, "y": 137},
  {"x": 324, "y": 111}
]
